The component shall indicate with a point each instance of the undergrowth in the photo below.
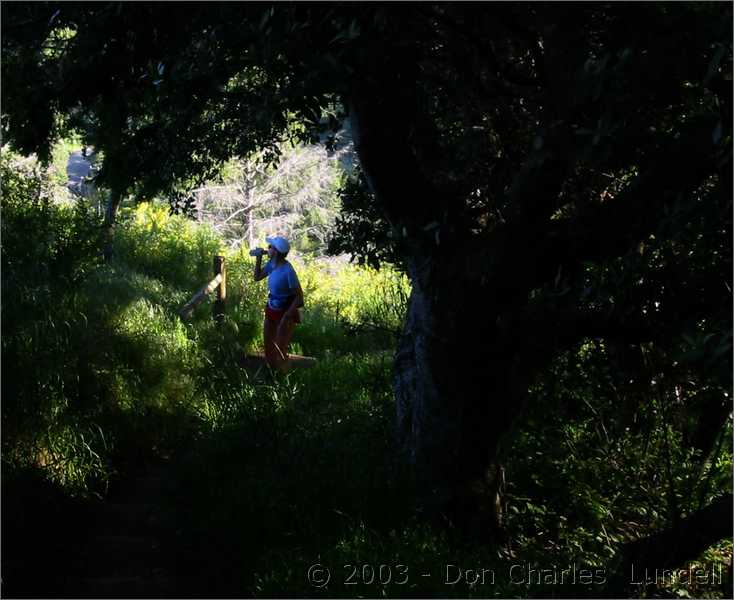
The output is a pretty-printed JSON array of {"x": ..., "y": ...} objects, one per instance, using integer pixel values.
[{"x": 274, "y": 475}]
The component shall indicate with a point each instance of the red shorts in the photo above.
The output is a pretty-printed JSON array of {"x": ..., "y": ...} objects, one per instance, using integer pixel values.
[{"x": 274, "y": 316}]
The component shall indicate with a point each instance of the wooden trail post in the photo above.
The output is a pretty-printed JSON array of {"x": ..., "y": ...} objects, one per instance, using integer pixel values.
[
  {"x": 219, "y": 283},
  {"x": 219, "y": 304}
]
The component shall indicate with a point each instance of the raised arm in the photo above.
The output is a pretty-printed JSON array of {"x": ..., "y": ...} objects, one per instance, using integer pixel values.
[{"x": 259, "y": 274}]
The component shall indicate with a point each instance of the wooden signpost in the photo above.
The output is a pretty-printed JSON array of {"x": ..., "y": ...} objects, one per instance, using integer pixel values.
[{"x": 219, "y": 283}]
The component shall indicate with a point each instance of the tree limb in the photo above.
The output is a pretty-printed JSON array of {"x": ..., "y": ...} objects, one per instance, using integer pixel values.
[
  {"x": 673, "y": 546},
  {"x": 612, "y": 228}
]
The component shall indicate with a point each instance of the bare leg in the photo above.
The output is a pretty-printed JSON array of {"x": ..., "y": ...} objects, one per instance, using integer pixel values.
[
  {"x": 286, "y": 327},
  {"x": 271, "y": 352}
]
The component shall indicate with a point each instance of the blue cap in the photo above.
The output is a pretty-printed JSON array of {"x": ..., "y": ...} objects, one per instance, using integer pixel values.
[{"x": 279, "y": 243}]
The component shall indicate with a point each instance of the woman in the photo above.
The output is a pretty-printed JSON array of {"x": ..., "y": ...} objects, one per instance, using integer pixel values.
[{"x": 284, "y": 300}]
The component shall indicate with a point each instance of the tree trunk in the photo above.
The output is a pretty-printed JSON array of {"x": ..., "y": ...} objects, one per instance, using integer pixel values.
[
  {"x": 250, "y": 229},
  {"x": 457, "y": 397},
  {"x": 457, "y": 389}
]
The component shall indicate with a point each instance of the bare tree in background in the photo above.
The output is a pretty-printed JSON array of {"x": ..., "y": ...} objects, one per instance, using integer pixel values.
[{"x": 297, "y": 199}]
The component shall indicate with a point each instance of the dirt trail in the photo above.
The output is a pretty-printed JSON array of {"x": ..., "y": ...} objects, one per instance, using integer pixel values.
[
  {"x": 126, "y": 553},
  {"x": 78, "y": 168}
]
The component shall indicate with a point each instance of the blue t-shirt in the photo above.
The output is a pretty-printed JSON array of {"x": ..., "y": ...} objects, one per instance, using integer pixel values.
[{"x": 282, "y": 283}]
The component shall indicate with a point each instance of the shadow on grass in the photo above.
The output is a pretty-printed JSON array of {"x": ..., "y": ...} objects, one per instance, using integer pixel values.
[
  {"x": 293, "y": 473},
  {"x": 42, "y": 530}
]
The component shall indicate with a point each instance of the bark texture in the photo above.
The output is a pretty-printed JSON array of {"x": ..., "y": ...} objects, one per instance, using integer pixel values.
[{"x": 458, "y": 395}]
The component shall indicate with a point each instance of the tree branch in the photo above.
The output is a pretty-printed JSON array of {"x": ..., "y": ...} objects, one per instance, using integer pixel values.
[
  {"x": 607, "y": 230},
  {"x": 485, "y": 47},
  {"x": 671, "y": 547},
  {"x": 541, "y": 331}
]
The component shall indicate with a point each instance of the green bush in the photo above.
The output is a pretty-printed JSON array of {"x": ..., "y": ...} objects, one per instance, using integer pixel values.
[
  {"x": 48, "y": 251},
  {"x": 169, "y": 248}
]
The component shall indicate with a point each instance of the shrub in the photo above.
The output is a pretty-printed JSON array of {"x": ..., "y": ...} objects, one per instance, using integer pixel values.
[
  {"x": 167, "y": 247},
  {"x": 48, "y": 251}
]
